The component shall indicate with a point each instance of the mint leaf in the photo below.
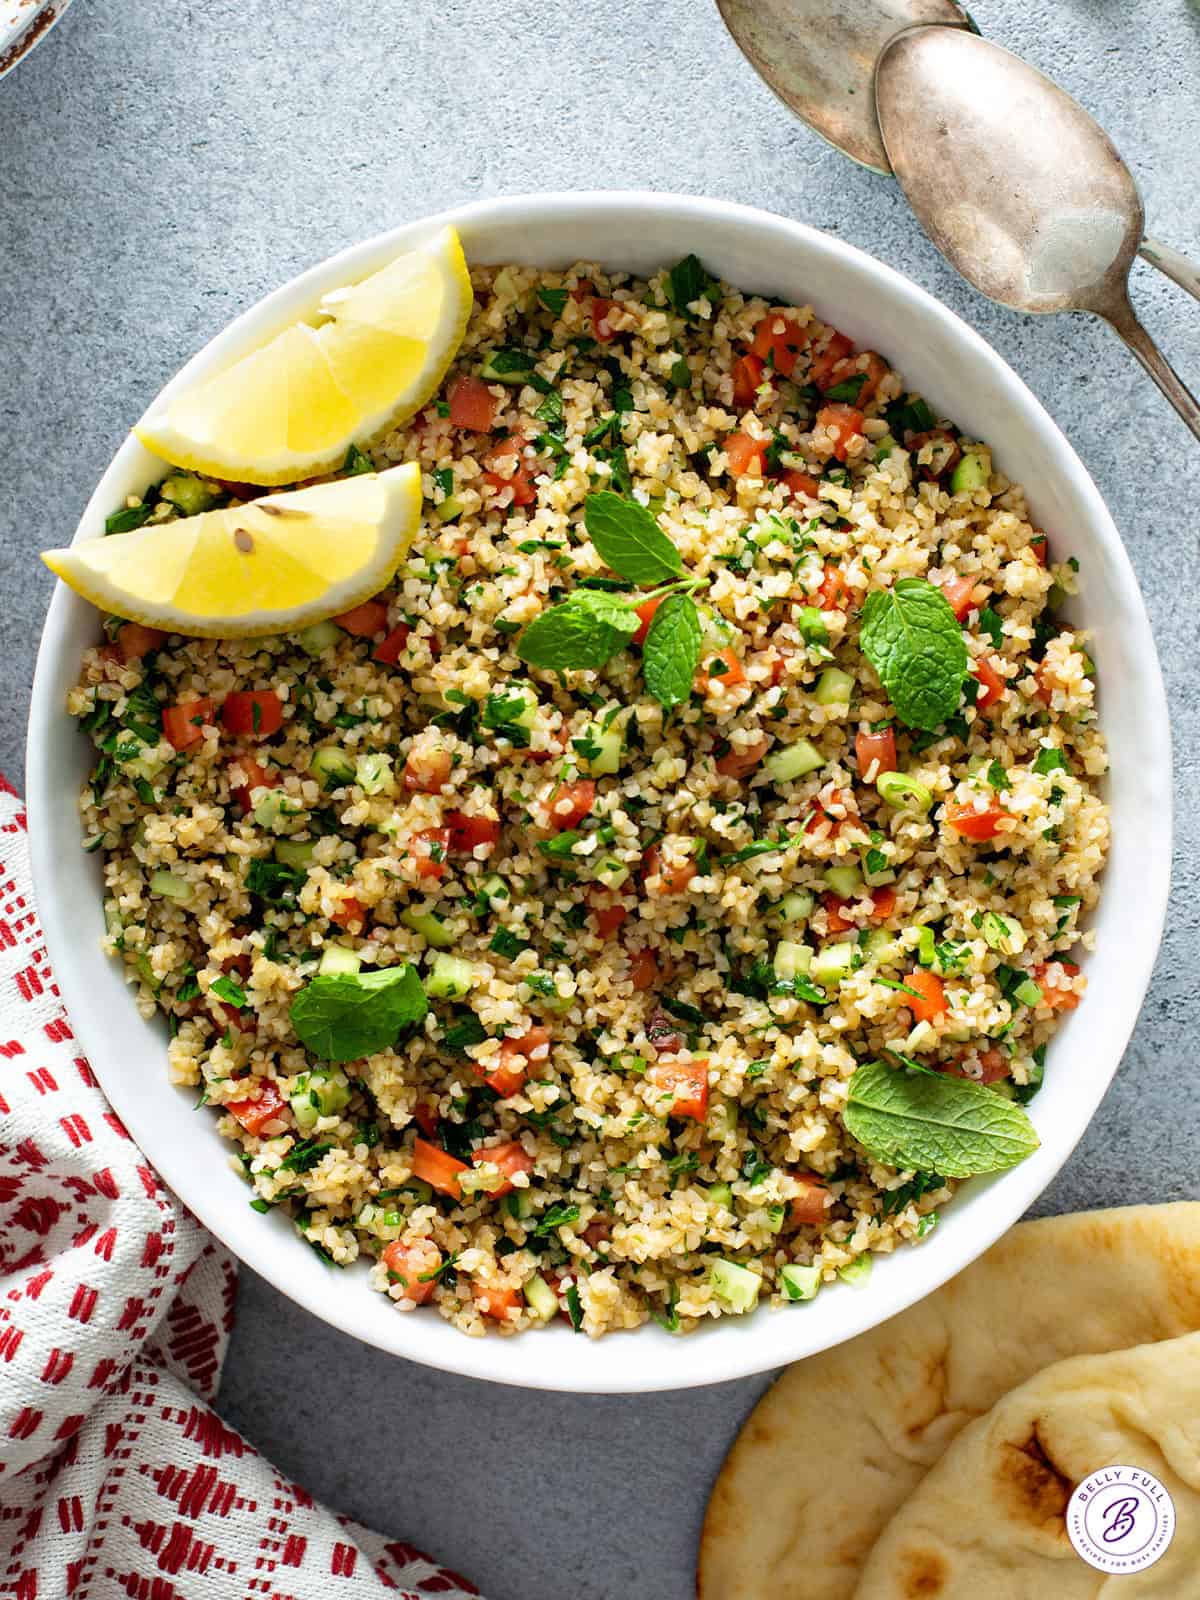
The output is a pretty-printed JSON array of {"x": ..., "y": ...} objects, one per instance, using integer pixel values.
[
  {"x": 687, "y": 282},
  {"x": 587, "y": 630},
  {"x": 911, "y": 638},
  {"x": 629, "y": 540},
  {"x": 935, "y": 1124},
  {"x": 343, "y": 1016},
  {"x": 671, "y": 651}
]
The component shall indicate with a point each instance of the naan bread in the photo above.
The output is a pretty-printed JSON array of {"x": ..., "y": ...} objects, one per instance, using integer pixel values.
[
  {"x": 843, "y": 1438},
  {"x": 988, "y": 1521}
]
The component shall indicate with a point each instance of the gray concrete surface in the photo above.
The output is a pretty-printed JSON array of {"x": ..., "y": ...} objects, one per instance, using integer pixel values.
[{"x": 161, "y": 166}]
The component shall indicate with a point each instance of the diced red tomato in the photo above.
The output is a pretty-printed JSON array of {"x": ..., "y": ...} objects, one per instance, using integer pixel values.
[
  {"x": 597, "y": 1231},
  {"x": 241, "y": 491},
  {"x": 349, "y": 912},
  {"x": 877, "y": 748},
  {"x": 516, "y": 1057},
  {"x": 472, "y": 404},
  {"x": 508, "y": 469},
  {"x": 747, "y": 375},
  {"x": 872, "y": 373},
  {"x": 977, "y": 825},
  {"x": 510, "y": 1158},
  {"x": 427, "y": 771},
  {"x": 1047, "y": 682},
  {"x": 135, "y": 640},
  {"x": 466, "y": 832},
  {"x": 664, "y": 1034},
  {"x": 779, "y": 658},
  {"x": 389, "y": 650},
  {"x": 883, "y": 903},
  {"x": 426, "y": 1118},
  {"x": 780, "y": 340},
  {"x": 602, "y": 329},
  {"x": 929, "y": 986},
  {"x": 365, "y": 620},
  {"x": 671, "y": 880},
  {"x": 239, "y": 1017},
  {"x": 824, "y": 365},
  {"x": 182, "y": 724},
  {"x": 802, "y": 483},
  {"x": 1049, "y": 975},
  {"x": 993, "y": 1066},
  {"x": 964, "y": 594},
  {"x": 835, "y": 913},
  {"x": 843, "y": 424},
  {"x": 246, "y": 775},
  {"x": 571, "y": 802},
  {"x": 807, "y": 1210},
  {"x": 722, "y": 667},
  {"x": 608, "y": 917},
  {"x": 745, "y": 455},
  {"x": 1040, "y": 546},
  {"x": 643, "y": 969},
  {"x": 437, "y": 1167},
  {"x": 496, "y": 1300},
  {"x": 429, "y": 848},
  {"x": 688, "y": 1082},
  {"x": 254, "y": 1114},
  {"x": 253, "y": 713},
  {"x": 992, "y": 687},
  {"x": 646, "y": 612},
  {"x": 414, "y": 1267},
  {"x": 834, "y": 591},
  {"x": 740, "y": 760}
]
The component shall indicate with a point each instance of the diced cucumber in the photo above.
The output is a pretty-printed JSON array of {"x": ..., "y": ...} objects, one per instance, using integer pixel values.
[
  {"x": 495, "y": 891},
  {"x": 800, "y": 1283},
  {"x": 834, "y": 687},
  {"x": 791, "y": 960},
  {"x": 971, "y": 473},
  {"x": 734, "y": 1284},
  {"x": 332, "y": 766},
  {"x": 720, "y": 1194},
  {"x": 318, "y": 1094},
  {"x": 373, "y": 773},
  {"x": 450, "y": 978},
  {"x": 296, "y": 853},
  {"x": 831, "y": 964},
  {"x": 189, "y": 495},
  {"x": 169, "y": 886},
  {"x": 628, "y": 1064},
  {"x": 519, "y": 1204},
  {"x": 858, "y": 1270},
  {"x": 448, "y": 509},
  {"x": 1002, "y": 933},
  {"x": 541, "y": 1298},
  {"x": 337, "y": 960},
  {"x": 793, "y": 761},
  {"x": 904, "y": 792},
  {"x": 795, "y": 907},
  {"x": 318, "y": 637},
  {"x": 610, "y": 747},
  {"x": 1028, "y": 993},
  {"x": 776, "y": 1217},
  {"x": 432, "y": 929},
  {"x": 879, "y": 944},
  {"x": 113, "y": 926},
  {"x": 845, "y": 881},
  {"x": 511, "y": 366},
  {"x": 547, "y": 991},
  {"x": 772, "y": 529},
  {"x": 926, "y": 945},
  {"x": 717, "y": 633},
  {"x": 876, "y": 869},
  {"x": 421, "y": 1192},
  {"x": 137, "y": 758},
  {"x": 612, "y": 874},
  {"x": 722, "y": 1118},
  {"x": 811, "y": 625},
  {"x": 273, "y": 807},
  {"x": 884, "y": 447}
]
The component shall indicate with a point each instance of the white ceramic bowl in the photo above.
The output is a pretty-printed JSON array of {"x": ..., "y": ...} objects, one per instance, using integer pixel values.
[
  {"x": 23, "y": 26},
  {"x": 938, "y": 355}
]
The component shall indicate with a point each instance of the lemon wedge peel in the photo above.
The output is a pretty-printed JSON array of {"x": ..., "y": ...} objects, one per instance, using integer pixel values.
[
  {"x": 292, "y": 408},
  {"x": 270, "y": 566}
]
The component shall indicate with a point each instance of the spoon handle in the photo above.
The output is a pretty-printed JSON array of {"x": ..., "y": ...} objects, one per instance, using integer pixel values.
[
  {"x": 1124, "y": 320},
  {"x": 1176, "y": 266}
]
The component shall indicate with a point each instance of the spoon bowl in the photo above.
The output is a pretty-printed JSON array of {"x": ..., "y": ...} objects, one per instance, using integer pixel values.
[{"x": 1018, "y": 186}]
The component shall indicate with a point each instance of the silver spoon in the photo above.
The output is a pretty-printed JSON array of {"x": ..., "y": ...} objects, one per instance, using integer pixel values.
[
  {"x": 819, "y": 57},
  {"x": 1017, "y": 185}
]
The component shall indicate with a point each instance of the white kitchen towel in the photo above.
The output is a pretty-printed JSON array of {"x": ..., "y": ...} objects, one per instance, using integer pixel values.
[{"x": 116, "y": 1477}]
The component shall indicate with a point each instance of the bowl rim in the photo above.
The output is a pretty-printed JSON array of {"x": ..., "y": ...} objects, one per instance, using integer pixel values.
[{"x": 723, "y": 1354}]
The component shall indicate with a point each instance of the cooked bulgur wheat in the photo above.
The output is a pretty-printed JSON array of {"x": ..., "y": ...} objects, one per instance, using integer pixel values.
[{"x": 626, "y": 1205}]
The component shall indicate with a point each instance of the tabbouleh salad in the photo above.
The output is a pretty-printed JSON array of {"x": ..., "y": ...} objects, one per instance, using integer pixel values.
[{"x": 607, "y": 920}]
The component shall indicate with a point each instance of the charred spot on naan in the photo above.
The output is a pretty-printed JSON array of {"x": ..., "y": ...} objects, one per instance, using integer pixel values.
[
  {"x": 923, "y": 1575},
  {"x": 1034, "y": 1484}
]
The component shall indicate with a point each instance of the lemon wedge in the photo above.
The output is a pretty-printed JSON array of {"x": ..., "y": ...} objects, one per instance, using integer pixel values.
[
  {"x": 270, "y": 566},
  {"x": 368, "y": 357}
]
